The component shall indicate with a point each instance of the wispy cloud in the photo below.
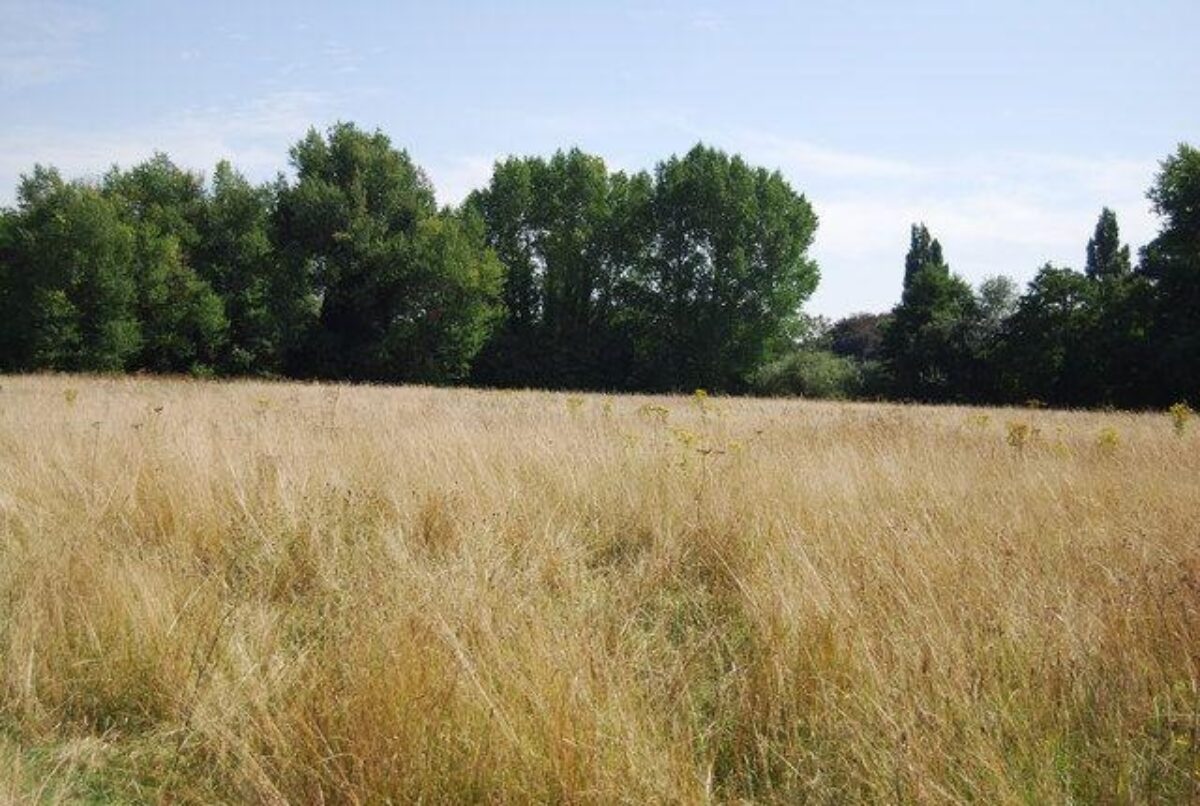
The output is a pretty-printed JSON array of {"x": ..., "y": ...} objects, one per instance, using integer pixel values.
[
  {"x": 255, "y": 136},
  {"x": 995, "y": 212},
  {"x": 1007, "y": 214},
  {"x": 41, "y": 41},
  {"x": 801, "y": 158},
  {"x": 340, "y": 58},
  {"x": 454, "y": 179}
]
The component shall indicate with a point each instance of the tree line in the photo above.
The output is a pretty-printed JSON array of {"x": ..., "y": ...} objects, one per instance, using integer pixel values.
[
  {"x": 562, "y": 274},
  {"x": 1119, "y": 333}
]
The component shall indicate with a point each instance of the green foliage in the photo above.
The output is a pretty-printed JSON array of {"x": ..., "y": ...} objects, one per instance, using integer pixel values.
[
  {"x": 566, "y": 229},
  {"x": 182, "y": 318},
  {"x": 11, "y": 336},
  {"x": 69, "y": 293},
  {"x": 406, "y": 293},
  {"x": 809, "y": 373},
  {"x": 1045, "y": 352},
  {"x": 859, "y": 336},
  {"x": 237, "y": 258},
  {"x": 159, "y": 195},
  {"x": 1172, "y": 264},
  {"x": 561, "y": 273},
  {"x": 727, "y": 272},
  {"x": 690, "y": 278},
  {"x": 923, "y": 250},
  {"x": 183, "y": 321},
  {"x": 459, "y": 286},
  {"x": 1107, "y": 259},
  {"x": 995, "y": 302},
  {"x": 927, "y": 343}
]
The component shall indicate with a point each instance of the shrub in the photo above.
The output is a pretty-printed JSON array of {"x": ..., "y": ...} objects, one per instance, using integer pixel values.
[{"x": 809, "y": 373}]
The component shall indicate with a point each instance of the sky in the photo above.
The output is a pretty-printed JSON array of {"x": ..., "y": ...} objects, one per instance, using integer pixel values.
[{"x": 1004, "y": 126}]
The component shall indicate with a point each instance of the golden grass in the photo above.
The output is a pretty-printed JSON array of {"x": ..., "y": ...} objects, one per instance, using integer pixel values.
[{"x": 283, "y": 593}]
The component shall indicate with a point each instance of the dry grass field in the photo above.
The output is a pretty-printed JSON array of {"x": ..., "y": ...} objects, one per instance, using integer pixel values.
[{"x": 285, "y": 593}]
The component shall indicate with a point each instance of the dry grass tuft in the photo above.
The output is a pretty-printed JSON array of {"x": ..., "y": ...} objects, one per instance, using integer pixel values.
[{"x": 280, "y": 593}]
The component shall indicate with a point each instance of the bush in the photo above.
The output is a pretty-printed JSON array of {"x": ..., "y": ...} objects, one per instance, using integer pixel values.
[{"x": 809, "y": 373}]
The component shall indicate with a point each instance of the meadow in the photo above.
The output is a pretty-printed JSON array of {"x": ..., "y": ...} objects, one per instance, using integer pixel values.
[{"x": 227, "y": 592}]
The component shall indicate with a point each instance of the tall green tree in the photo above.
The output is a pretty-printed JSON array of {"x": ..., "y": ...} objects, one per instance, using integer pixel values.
[
  {"x": 69, "y": 293},
  {"x": 182, "y": 318},
  {"x": 1171, "y": 262},
  {"x": 996, "y": 300},
  {"x": 237, "y": 258},
  {"x": 1118, "y": 341},
  {"x": 1046, "y": 352},
  {"x": 1107, "y": 257},
  {"x": 159, "y": 194},
  {"x": 928, "y": 351},
  {"x": 923, "y": 250},
  {"x": 727, "y": 272},
  {"x": 562, "y": 228},
  {"x": 512, "y": 356},
  {"x": 407, "y": 293},
  {"x": 10, "y": 334}
]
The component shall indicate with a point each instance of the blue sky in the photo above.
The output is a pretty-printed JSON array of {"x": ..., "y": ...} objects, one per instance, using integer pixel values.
[{"x": 1005, "y": 126}]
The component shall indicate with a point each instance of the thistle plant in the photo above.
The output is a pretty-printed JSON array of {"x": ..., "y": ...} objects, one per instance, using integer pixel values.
[
  {"x": 686, "y": 438},
  {"x": 1180, "y": 414},
  {"x": 1108, "y": 440},
  {"x": 652, "y": 412},
  {"x": 1020, "y": 434}
]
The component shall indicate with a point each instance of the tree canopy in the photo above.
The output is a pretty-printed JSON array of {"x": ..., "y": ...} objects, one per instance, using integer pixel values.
[
  {"x": 402, "y": 291},
  {"x": 562, "y": 273}
]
